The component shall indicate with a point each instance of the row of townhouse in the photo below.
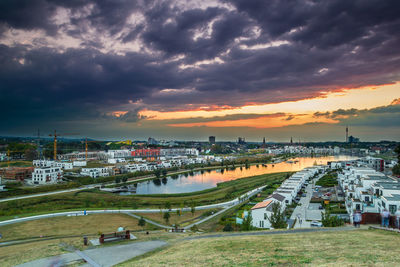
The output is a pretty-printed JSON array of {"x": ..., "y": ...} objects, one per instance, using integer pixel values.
[
  {"x": 165, "y": 163},
  {"x": 304, "y": 150},
  {"x": 285, "y": 195},
  {"x": 369, "y": 191},
  {"x": 51, "y": 163},
  {"x": 97, "y": 172}
]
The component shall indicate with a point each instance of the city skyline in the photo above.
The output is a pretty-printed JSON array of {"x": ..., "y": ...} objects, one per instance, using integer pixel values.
[{"x": 184, "y": 70}]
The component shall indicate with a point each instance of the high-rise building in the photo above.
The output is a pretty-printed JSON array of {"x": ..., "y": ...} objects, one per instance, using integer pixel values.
[
  {"x": 211, "y": 139},
  {"x": 347, "y": 134},
  {"x": 263, "y": 144},
  {"x": 241, "y": 140}
]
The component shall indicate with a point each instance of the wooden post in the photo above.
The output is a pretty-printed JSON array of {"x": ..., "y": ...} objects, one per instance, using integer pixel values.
[{"x": 101, "y": 239}]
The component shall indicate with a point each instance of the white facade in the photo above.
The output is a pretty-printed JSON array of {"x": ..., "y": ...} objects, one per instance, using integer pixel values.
[
  {"x": 260, "y": 214},
  {"x": 52, "y": 163},
  {"x": 79, "y": 163},
  {"x": 47, "y": 175},
  {"x": 96, "y": 172}
]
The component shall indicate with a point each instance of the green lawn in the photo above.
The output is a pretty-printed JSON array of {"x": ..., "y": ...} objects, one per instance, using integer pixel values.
[
  {"x": 328, "y": 180},
  {"x": 95, "y": 199},
  {"x": 65, "y": 230},
  {"x": 341, "y": 248}
]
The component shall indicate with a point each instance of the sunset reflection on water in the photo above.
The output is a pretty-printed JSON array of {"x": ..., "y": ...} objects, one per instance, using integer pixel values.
[{"x": 208, "y": 179}]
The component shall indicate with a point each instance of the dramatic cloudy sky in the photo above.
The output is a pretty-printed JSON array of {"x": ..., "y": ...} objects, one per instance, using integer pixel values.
[{"x": 189, "y": 69}]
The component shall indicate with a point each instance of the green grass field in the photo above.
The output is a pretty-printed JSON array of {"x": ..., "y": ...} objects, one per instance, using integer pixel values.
[
  {"x": 95, "y": 199},
  {"x": 65, "y": 230},
  {"x": 185, "y": 218},
  {"x": 339, "y": 248},
  {"x": 18, "y": 163}
]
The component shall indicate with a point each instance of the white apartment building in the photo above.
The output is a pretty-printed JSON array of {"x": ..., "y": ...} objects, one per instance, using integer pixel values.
[
  {"x": 79, "y": 163},
  {"x": 96, "y": 172},
  {"x": 370, "y": 191},
  {"x": 52, "y": 163},
  {"x": 47, "y": 175}
]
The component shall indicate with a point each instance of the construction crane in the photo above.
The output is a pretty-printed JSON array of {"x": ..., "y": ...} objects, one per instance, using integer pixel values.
[
  {"x": 55, "y": 140},
  {"x": 86, "y": 147}
]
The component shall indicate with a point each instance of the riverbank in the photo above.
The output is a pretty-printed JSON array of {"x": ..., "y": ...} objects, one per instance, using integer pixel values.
[
  {"x": 82, "y": 183},
  {"x": 95, "y": 199}
]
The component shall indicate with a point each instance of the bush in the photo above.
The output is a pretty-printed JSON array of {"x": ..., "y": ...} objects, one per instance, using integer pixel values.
[
  {"x": 194, "y": 228},
  {"x": 228, "y": 228},
  {"x": 331, "y": 221}
]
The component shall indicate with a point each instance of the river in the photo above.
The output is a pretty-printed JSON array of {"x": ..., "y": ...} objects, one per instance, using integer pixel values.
[{"x": 208, "y": 179}]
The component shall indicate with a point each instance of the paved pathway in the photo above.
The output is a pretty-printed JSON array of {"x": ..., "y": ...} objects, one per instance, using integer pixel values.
[
  {"x": 105, "y": 256},
  {"x": 301, "y": 212}
]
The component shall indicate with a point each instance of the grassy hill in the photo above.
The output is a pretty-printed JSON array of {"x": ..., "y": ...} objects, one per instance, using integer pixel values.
[{"x": 336, "y": 248}]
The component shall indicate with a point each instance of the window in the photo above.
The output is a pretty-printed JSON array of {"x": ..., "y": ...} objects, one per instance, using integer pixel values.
[
  {"x": 367, "y": 199},
  {"x": 265, "y": 216},
  {"x": 357, "y": 206},
  {"x": 392, "y": 209}
]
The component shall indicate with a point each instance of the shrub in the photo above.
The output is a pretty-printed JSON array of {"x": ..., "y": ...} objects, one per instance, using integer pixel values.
[
  {"x": 228, "y": 228},
  {"x": 331, "y": 221}
]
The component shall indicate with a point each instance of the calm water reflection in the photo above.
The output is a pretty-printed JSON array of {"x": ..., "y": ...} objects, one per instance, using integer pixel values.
[{"x": 207, "y": 179}]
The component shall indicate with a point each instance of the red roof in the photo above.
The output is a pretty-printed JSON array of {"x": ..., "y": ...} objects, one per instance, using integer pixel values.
[{"x": 261, "y": 204}]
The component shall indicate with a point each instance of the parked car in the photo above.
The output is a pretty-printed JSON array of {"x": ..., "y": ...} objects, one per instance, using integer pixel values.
[
  {"x": 304, "y": 195},
  {"x": 316, "y": 224}
]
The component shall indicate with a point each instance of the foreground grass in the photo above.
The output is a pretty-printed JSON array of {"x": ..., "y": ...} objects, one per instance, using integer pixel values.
[
  {"x": 94, "y": 199},
  {"x": 18, "y": 254},
  {"x": 341, "y": 248},
  {"x": 65, "y": 226},
  {"x": 68, "y": 231}
]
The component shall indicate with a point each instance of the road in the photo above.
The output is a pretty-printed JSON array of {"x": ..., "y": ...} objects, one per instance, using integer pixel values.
[
  {"x": 301, "y": 213},
  {"x": 80, "y": 212}
]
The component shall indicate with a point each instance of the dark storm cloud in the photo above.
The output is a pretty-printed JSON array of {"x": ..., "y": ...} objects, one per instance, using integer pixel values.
[
  {"x": 49, "y": 84},
  {"x": 384, "y": 116},
  {"x": 328, "y": 45}
]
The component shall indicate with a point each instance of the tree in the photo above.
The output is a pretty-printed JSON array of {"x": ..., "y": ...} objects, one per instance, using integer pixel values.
[
  {"x": 142, "y": 222},
  {"x": 117, "y": 180},
  {"x": 166, "y": 216},
  {"x": 157, "y": 173},
  {"x": 168, "y": 205},
  {"x": 30, "y": 154},
  {"x": 194, "y": 228},
  {"x": 247, "y": 223},
  {"x": 227, "y": 228},
  {"x": 124, "y": 179},
  {"x": 193, "y": 207},
  {"x": 396, "y": 168},
  {"x": 330, "y": 221},
  {"x": 277, "y": 218},
  {"x": 164, "y": 172}
]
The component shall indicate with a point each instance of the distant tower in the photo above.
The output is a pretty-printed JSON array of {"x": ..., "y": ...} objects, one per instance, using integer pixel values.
[
  {"x": 211, "y": 139},
  {"x": 291, "y": 140},
  {"x": 263, "y": 145},
  {"x": 347, "y": 134}
]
